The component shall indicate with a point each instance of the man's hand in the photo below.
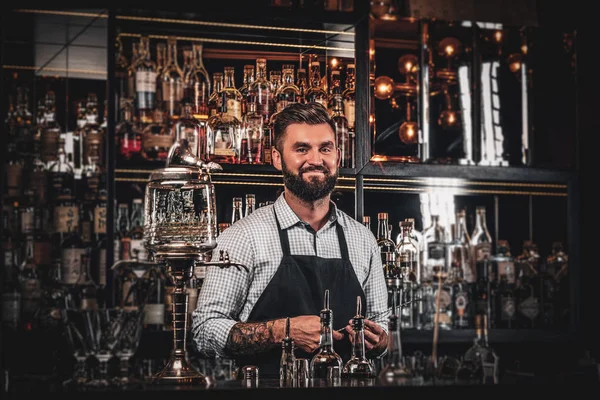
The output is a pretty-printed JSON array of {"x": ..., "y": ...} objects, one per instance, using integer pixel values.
[
  {"x": 305, "y": 330},
  {"x": 375, "y": 337}
]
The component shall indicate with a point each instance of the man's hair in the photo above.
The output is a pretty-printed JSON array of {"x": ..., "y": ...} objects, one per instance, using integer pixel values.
[{"x": 299, "y": 113}]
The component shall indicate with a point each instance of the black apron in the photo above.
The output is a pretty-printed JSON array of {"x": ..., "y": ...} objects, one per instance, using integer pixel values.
[{"x": 297, "y": 288}]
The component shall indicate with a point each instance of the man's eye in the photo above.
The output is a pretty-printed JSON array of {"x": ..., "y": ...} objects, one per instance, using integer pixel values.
[{"x": 326, "y": 149}]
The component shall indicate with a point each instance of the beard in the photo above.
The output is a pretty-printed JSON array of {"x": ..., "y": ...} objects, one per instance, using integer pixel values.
[{"x": 313, "y": 189}]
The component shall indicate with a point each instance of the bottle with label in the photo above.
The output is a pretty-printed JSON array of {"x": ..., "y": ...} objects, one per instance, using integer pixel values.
[
  {"x": 464, "y": 238},
  {"x": 93, "y": 134},
  {"x": 349, "y": 96},
  {"x": 341, "y": 132},
  {"x": 190, "y": 132},
  {"x": 136, "y": 233},
  {"x": 122, "y": 226},
  {"x": 214, "y": 101},
  {"x": 154, "y": 308},
  {"x": 435, "y": 238},
  {"x": 358, "y": 367},
  {"x": 232, "y": 95},
  {"x": 197, "y": 84},
  {"x": 245, "y": 88},
  {"x": 129, "y": 138},
  {"x": 31, "y": 286},
  {"x": 288, "y": 92},
  {"x": 50, "y": 131},
  {"x": 326, "y": 357},
  {"x": 61, "y": 174},
  {"x": 72, "y": 249},
  {"x": 506, "y": 316},
  {"x": 224, "y": 132},
  {"x": 145, "y": 76},
  {"x": 98, "y": 268},
  {"x": 315, "y": 92}
]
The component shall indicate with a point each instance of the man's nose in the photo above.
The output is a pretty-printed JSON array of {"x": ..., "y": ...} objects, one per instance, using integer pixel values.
[{"x": 315, "y": 157}]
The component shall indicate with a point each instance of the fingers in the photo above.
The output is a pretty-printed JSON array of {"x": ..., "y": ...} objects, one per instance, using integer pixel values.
[
  {"x": 373, "y": 327},
  {"x": 337, "y": 335}
]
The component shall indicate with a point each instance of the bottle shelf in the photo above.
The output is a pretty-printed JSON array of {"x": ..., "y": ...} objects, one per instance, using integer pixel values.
[
  {"x": 411, "y": 336},
  {"x": 400, "y": 170}
]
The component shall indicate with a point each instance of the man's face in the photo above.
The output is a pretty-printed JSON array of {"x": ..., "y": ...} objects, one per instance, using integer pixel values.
[{"x": 309, "y": 162}]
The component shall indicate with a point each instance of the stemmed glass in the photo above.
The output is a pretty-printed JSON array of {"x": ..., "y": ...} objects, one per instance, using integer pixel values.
[
  {"x": 75, "y": 330},
  {"x": 128, "y": 341},
  {"x": 103, "y": 329}
]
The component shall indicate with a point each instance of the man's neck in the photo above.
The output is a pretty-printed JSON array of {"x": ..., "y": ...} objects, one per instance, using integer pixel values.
[{"x": 315, "y": 213}]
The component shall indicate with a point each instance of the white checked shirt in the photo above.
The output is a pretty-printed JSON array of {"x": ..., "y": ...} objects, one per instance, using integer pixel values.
[{"x": 228, "y": 295}]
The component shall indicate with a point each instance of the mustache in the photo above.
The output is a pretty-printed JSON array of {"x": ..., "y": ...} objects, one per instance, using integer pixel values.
[{"x": 310, "y": 169}]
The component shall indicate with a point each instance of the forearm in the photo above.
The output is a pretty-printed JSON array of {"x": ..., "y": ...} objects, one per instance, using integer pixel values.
[{"x": 246, "y": 338}]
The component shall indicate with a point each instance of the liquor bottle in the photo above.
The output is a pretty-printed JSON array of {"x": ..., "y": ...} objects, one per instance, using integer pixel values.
[
  {"x": 288, "y": 92},
  {"x": 223, "y": 136},
  {"x": 136, "y": 233},
  {"x": 505, "y": 302},
  {"x": 529, "y": 282},
  {"x": 236, "y": 213},
  {"x": 245, "y": 88},
  {"x": 459, "y": 305},
  {"x": 72, "y": 250},
  {"x": 250, "y": 204},
  {"x": 315, "y": 92},
  {"x": 435, "y": 237},
  {"x": 190, "y": 133},
  {"x": 93, "y": 134},
  {"x": 481, "y": 241},
  {"x": 121, "y": 65},
  {"x": 161, "y": 61},
  {"x": 276, "y": 81},
  {"x": 287, "y": 364},
  {"x": 145, "y": 77},
  {"x": 394, "y": 370},
  {"x": 11, "y": 290},
  {"x": 14, "y": 167},
  {"x": 154, "y": 303},
  {"x": 386, "y": 247},
  {"x": 157, "y": 136},
  {"x": 349, "y": 96},
  {"x": 31, "y": 286},
  {"x": 302, "y": 85},
  {"x": 252, "y": 125},
  {"x": 366, "y": 221},
  {"x": 98, "y": 261},
  {"x": 326, "y": 357},
  {"x": 358, "y": 367},
  {"x": 463, "y": 237},
  {"x": 335, "y": 89},
  {"x": 232, "y": 95},
  {"x": 197, "y": 84},
  {"x": 129, "y": 138},
  {"x": 341, "y": 131},
  {"x": 214, "y": 101},
  {"x": 172, "y": 82},
  {"x": 61, "y": 174},
  {"x": 262, "y": 90},
  {"x": 122, "y": 226},
  {"x": 407, "y": 260},
  {"x": 50, "y": 131},
  {"x": 558, "y": 267}
]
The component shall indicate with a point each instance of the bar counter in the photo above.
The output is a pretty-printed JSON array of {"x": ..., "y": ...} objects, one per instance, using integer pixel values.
[{"x": 585, "y": 382}]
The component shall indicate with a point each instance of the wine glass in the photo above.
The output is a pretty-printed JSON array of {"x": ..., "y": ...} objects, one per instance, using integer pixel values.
[{"x": 128, "y": 341}]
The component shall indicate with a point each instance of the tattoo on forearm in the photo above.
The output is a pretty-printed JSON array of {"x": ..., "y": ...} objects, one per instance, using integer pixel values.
[{"x": 250, "y": 338}]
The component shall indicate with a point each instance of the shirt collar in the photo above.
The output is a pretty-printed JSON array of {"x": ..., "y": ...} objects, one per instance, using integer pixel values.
[{"x": 287, "y": 217}]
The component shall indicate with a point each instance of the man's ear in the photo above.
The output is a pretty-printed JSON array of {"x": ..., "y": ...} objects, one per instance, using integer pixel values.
[
  {"x": 339, "y": 157},
  {"x": 276, "y": 158}
]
